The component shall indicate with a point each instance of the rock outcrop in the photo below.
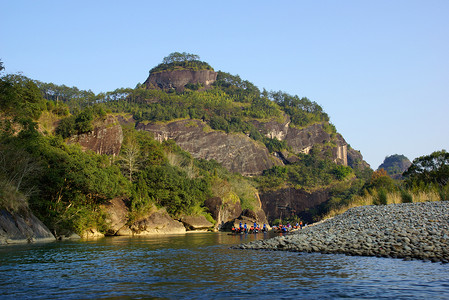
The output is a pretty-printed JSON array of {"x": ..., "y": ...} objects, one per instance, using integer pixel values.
[
  {"x": 156, "y": 222},
  {"x": 24, "y": 227},
  {"x": 117, "y": 215},
  {"x": 178, "y": 79},
  {"x": 355, "y": 160},
  {"x": 290, "y": 202},
  {"x": 224, "y": 212},
  {"x": 236, "y": 152},
  {"x": 302, "y": 140},
  {"x": 196, "y": 223},
  {"x": 106, "y": 138}
]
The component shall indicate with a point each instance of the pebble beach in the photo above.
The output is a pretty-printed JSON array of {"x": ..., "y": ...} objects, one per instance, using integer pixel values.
[{"x": 407, "y": 231}]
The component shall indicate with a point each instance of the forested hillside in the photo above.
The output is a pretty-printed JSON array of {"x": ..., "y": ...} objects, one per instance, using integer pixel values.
[{"x": 66, "y": 185}]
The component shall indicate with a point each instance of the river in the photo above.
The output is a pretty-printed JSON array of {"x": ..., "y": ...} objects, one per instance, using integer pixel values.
[{"x": 202, "y": 266}]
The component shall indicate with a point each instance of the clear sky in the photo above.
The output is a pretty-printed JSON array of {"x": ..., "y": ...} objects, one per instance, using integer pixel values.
[{"x": 380, "y": 69}]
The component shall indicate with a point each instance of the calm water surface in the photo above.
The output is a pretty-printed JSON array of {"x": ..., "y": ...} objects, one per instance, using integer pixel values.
[{"x": 201, "y": 266}]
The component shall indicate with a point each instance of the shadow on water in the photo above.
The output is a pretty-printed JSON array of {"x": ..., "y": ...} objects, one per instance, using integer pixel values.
[{"x": 202, "y": 265}]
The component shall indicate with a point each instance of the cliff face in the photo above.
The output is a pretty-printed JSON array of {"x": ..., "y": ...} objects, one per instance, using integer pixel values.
[
  {"x": 106, "y": 138},
  {"x": 302, "y": 140},
  {"x": 355, "y": 160},
  {"x": 237, "y": 152},
  {"x": 291, "y": 202},
  {"x": 19, "y": 228},
  {"x": 223, "y": 211},
  {"x": 177, "y": 79}
]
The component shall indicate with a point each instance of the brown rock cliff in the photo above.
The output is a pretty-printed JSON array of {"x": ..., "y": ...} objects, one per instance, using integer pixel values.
[
  {"x": 106, "y": 138},
  {"x": 291, "y": 202},
  {"x": 177, "y": 79},
  {"x": 24, "y": 227},
  {"x": 302, "y": 140},
  {"x": 236, "y": 152}
]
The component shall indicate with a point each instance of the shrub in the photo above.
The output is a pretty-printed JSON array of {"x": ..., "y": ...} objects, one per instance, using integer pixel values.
[
  {"x": 406, "y": 196},
  {"x": 381, "y": 198}
]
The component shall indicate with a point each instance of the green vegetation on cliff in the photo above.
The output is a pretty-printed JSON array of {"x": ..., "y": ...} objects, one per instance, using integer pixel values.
[
  {"x": 181, "y": 61},
  {"x": 310, "y": 172},
  {"x": 72, "y": 184},
  {"x": 65, "y": 186}
]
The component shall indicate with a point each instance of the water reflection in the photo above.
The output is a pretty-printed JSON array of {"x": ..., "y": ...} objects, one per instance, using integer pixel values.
[{"x": 203, "y": 266}]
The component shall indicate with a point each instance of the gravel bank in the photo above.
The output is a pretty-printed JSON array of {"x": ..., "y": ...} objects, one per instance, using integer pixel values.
[{"x": 408, "y": 231}]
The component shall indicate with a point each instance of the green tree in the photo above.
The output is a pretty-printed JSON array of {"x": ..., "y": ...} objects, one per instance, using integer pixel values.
[
  {"x": 66, "y": 127},
  {"x": 341, "y": 172},
  {"x": 180, "y": 57},
  {"x": 20, "y": 97},
  {"x": 83, "y": 121},
  {"x": 429, "y": 169},
  {"x": 381, "y": 181}
]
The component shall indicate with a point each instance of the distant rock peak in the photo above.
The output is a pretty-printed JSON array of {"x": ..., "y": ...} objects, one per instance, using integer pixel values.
[{"x": 181, "y": 79}]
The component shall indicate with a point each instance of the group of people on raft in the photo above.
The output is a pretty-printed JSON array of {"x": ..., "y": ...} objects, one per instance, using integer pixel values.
[
  {"x": 288, "y": 227},
  {"x": 255, "y": 228}
]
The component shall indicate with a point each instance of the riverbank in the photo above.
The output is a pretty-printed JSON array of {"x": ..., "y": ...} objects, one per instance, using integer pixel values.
[{"x": 408, "y": 231}]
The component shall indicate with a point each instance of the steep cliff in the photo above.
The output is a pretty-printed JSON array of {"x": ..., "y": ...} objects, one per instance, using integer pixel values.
[
  {"x": 105, "y": 138},
  {"x": 236, "y": 152},
  {"x": 178, "y": 79},
  {"x": 302, "y": 140},
  {"x": 355, "y": 160},
  {"x": 289, "y": 202}
]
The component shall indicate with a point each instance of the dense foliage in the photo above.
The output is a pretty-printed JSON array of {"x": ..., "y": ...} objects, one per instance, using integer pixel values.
[
  {"x": 311, "y": 172},
  {"x": 302, "y": 111},
  {"x": 430, "y": 169},
  {"x": 181, "y": 61},
  {"x": 65, "y": 186}
]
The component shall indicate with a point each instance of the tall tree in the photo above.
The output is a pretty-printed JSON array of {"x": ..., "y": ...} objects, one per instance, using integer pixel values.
[
  {"x": 130, "y": 159},
  {"x": 429, "y": 169}
]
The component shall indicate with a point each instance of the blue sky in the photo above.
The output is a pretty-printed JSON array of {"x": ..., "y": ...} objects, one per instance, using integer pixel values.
[{"x": 380, "y": 69}]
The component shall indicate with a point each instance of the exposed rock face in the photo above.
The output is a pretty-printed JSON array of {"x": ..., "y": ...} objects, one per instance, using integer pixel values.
[
  {"x": 291, "y": 202},
  {"x": 177, "y": 79},
  {"x": 158, "y": 222},
  {"x": 126, "y": 119},
  {"x": 106, "y": 138},
  {"x": 17, "y": 228},
  {"x": 302, "y": 140},
  {"x": 196, "y": 223},
  {"x": 223, "y": 211},
  {"x": 355, "y": 160},
  {"x": 117, "y": 215},
  {"x": 236, "y": 152}
]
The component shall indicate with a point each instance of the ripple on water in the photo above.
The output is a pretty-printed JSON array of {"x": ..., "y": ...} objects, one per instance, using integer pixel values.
[{"x": 203, "y": 266}]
